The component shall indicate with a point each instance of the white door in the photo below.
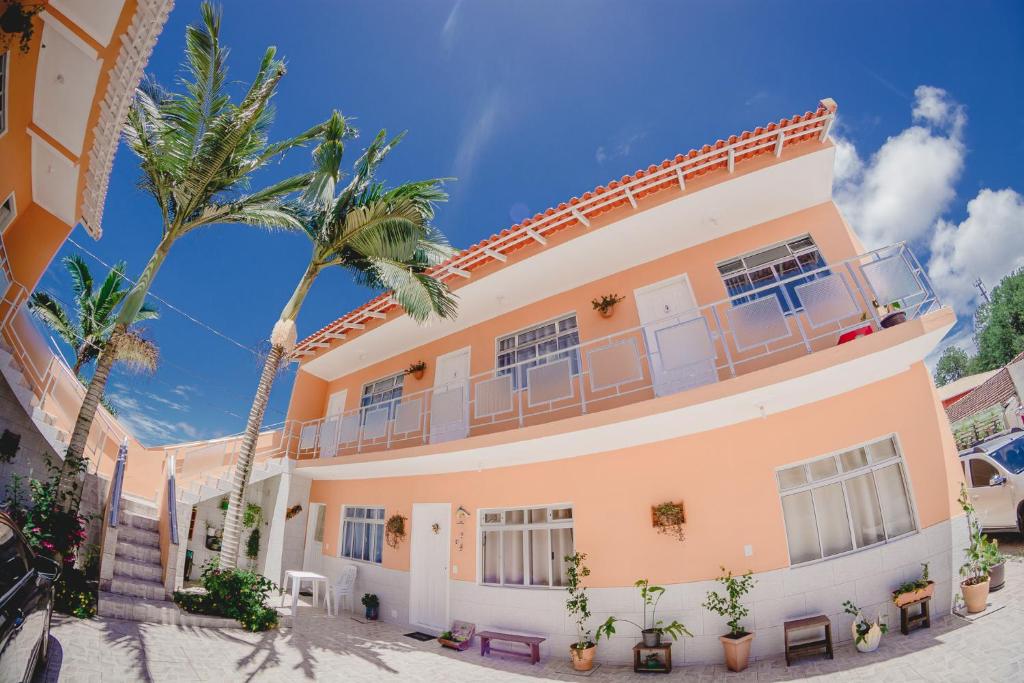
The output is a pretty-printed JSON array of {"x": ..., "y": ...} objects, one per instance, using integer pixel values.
[
  {"x": 428, "y": 589},
  {"x": 449, "y": 403},
  {"x": 313, "y": 559},
  {"x": 682, "y": 354},
  {"x": 330, "y": 432}
]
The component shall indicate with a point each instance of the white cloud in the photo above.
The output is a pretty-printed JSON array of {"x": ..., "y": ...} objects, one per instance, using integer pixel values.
[
  {"x": 909, "y": 182},
  {"x": 450, "y": 27},
  {"x": 477, "y": 135},
  {"x": 620, "y": 148},
  {"x": 986, "y": 244}
]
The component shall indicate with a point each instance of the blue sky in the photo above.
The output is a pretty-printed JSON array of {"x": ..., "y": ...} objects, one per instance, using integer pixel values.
[{"x": 528, "y": 103}]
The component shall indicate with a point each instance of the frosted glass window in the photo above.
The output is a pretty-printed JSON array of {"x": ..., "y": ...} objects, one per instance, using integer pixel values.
[
  {"x": 823, "y": 469},
  {"x": 827, "y": 300},
  {"x": 792, "y": 477},
  {"x": 526, "y": 546},
  {"x": 892, "y": 279},
  {"x": 550, "y": 382},
  {"x": 892, "y": 496},
  {"x": 833, "y": 523},
  {"x": 801, "y": 529},
  {"x": 407, "y": 416},
  {"x": 830, "y": 510},
  {"x": 375, "y": 423},
  {"x": 308, "y": 437},
  {"x": 349, "y": 431},
  {"x": 684, "y": 344},
  {"x": 492, "y": 557},
  {"x": 865, "y": 512},
  {"x": 512, "y": 557}
]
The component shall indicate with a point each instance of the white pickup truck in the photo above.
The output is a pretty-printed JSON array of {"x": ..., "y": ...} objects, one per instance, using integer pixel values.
[{"x": 994, "y": 470}]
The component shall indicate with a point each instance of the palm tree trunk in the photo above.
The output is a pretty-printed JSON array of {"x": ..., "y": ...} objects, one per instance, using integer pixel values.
[
  {"x": 75, "y": 463},
  {"x": 233, "y": 517},
  {"x": 282, "y": 341},
  {"x": 74, "y": 460}
]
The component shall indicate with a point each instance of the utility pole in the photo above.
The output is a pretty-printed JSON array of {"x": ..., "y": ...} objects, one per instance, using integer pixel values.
[{"x": 981, "y": 288}]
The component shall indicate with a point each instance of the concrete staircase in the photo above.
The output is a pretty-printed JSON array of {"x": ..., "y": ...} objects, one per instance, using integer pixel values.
[
  {"x": 218, "y": 483},
  {"x": 44, "y": 421},
  {"x": 136, "y": 592}
]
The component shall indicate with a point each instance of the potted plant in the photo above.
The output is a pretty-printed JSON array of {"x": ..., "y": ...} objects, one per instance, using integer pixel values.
[
  {"x": 394, "y": 530},
  {"x": 668, "y": 518},
  {"x": 891, "y": 314},
  {"x": 912, "y": 591},
  {"x": 459, "y": 636},
  {"x": 997, "y": 572},
  {"x": 653, "y": 628},
  {"x": 605, "y": 304},
  {"x": 578, "y": 605},
  {"x": 980, "y": 555},
  {"x": 372, "y": 604},
  {"x": 16, "y": 20},
  {"x": 736, "y": 643},
  {"x": 417, "y": 369},
  {"x": 866, "y": 635}
]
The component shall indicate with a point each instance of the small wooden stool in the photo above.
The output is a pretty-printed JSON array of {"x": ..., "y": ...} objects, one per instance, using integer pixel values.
[
  {"x": 666, "y": 658},
  {"x": 823, "y": 646},
  {"x": 922, "y": 619}
]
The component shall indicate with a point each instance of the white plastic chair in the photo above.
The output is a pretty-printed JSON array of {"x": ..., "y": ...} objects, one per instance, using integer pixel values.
[{"x": 345, "y": 586}]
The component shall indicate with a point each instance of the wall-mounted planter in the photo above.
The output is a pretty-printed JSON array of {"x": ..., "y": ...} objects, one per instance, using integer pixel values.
[
  {"x": 668, "y": 518},
  {"x": 605, "y": 304},
  {"x": 417, "y": 369}
]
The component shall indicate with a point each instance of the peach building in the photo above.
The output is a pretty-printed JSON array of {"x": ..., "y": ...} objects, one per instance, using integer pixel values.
[{"x": 762, "y": 368}]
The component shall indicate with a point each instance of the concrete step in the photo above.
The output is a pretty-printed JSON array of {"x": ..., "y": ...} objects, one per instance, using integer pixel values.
[
  {"x": 139, "y": 506},
  {"x": 137, "y": 588},
  {"x": 138, "y": 521},
  {"x": 134, "y": 569},
  {"x": 156, "y": 611},
  {"x": 136, "y": 536},
  {"x": 137, "y": 553}
]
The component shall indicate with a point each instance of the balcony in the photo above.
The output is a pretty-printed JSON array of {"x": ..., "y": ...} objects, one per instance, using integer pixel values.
[{"x": 762, "y": 328}]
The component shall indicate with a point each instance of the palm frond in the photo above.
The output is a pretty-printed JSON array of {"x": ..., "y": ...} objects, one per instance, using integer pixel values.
[
  {"x": 81, "y": 278},
  {"x": 52, "y": 314},
  {"x": 419, "y": 294},
  {"x": 137, "y": 353}
]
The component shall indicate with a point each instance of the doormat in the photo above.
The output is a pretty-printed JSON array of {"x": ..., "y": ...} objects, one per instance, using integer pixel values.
[{"x": 420, "y": 636}]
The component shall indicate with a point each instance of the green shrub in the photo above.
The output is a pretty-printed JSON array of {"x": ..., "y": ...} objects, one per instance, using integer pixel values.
[
  {"x": 234, "y": 593},
  {"x": 252, "y": 546}
]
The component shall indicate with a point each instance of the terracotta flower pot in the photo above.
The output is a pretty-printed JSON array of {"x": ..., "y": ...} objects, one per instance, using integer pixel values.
[
  {"x": 902, "y": 599},
  {"x": 418, "y": 374},
  {"x": 582, "y": 660},
  {"x": 606, "y": 312},
  {"x": 737, "y": 651},
  {"x": 975, "y": 595}
]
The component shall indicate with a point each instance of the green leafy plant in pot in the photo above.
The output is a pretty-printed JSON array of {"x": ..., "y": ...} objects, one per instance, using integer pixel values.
[
  {"x": 653, "y": 628},
  {"x": 737, "y": 642},
  {"x": 372, "y": 604},
  {"x": 578, "y": 605},
  {"x": 605, "y": 304},
  {"x": 866, "y": 635},
  {"x": 980, "y": 555}
]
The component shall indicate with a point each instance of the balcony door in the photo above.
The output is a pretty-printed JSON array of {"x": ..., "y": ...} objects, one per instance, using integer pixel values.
[
  {"x": 679, "y": 345},
  {"x": 330, "y": 433},
  {"x": 449, "y": 404}
]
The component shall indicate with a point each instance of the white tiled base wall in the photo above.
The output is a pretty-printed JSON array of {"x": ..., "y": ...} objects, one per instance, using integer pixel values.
[{"x": 867, "y": 578}]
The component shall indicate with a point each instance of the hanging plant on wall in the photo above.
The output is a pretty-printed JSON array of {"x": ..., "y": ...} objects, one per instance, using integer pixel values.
[
  {"x": 252, "y": 546},
  {"x": 394, "y": 530},
  {"x": 292, "y": 511},
  {"x": 252, "y": 516},
  {"x": 668, "y": 518},
  {"x": 16, "y": 20},
  {"x": 605, "y": 304}
]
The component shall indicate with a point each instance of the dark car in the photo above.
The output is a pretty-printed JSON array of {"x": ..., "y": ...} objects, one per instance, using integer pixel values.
[{"x": 26, "y": 604}]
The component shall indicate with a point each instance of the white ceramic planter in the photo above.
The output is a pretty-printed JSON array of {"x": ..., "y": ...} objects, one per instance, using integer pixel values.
[{"x": 871, "y": 640}]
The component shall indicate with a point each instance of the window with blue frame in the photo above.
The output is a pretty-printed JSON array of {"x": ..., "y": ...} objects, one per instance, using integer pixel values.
[
  {"x": 362, "y": 533},
  {"x": 786, "y": 265}
]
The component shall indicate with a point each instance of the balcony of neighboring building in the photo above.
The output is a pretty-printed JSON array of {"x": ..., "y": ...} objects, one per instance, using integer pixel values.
[{"x": 819, "y": 331}]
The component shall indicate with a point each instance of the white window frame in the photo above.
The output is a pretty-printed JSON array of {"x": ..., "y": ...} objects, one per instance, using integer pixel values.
[
  {"x": 373, "y": 538},
  {"x": 519, "y": 375},
  {"x": 392, "y": 403},
  {"x": 5, "y": 89},
  {"x": 525, "y": 527},
  {"x": 744, "y": 297},
  {"x": 842, "y": 476}
]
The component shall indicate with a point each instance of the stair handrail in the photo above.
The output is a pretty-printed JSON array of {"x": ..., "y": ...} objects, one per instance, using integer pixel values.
[
  {"x": 117, "y": 483},
  {"x": 172, "y": 499}
]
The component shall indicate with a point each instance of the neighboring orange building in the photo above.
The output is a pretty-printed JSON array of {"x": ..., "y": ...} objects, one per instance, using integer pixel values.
[{"x": 745, "y": 374}]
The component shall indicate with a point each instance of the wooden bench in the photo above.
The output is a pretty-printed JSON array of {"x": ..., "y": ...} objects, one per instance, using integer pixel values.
[
  {"x": 812, "y": 647},
  {"x": 532, "y": 641}
]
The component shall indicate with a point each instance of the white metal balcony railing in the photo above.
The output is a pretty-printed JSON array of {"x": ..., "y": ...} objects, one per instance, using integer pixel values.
[{"x": 707, "y": 344}]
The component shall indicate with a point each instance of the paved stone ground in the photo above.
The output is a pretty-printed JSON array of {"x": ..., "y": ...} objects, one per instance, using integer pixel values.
[{"x": 325, "y": 648}]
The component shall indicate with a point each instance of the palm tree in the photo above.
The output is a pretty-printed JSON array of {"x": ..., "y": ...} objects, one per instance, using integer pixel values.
[
  {"x": 382, "y": 237},
  {"x": 197, "y": 150},
  {"x": 88, "y": 328}
]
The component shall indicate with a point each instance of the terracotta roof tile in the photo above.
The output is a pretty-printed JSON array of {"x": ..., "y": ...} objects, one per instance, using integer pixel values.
[
  {"x": 995, "y": 390},
  {"x": 709, "y": 158}
]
